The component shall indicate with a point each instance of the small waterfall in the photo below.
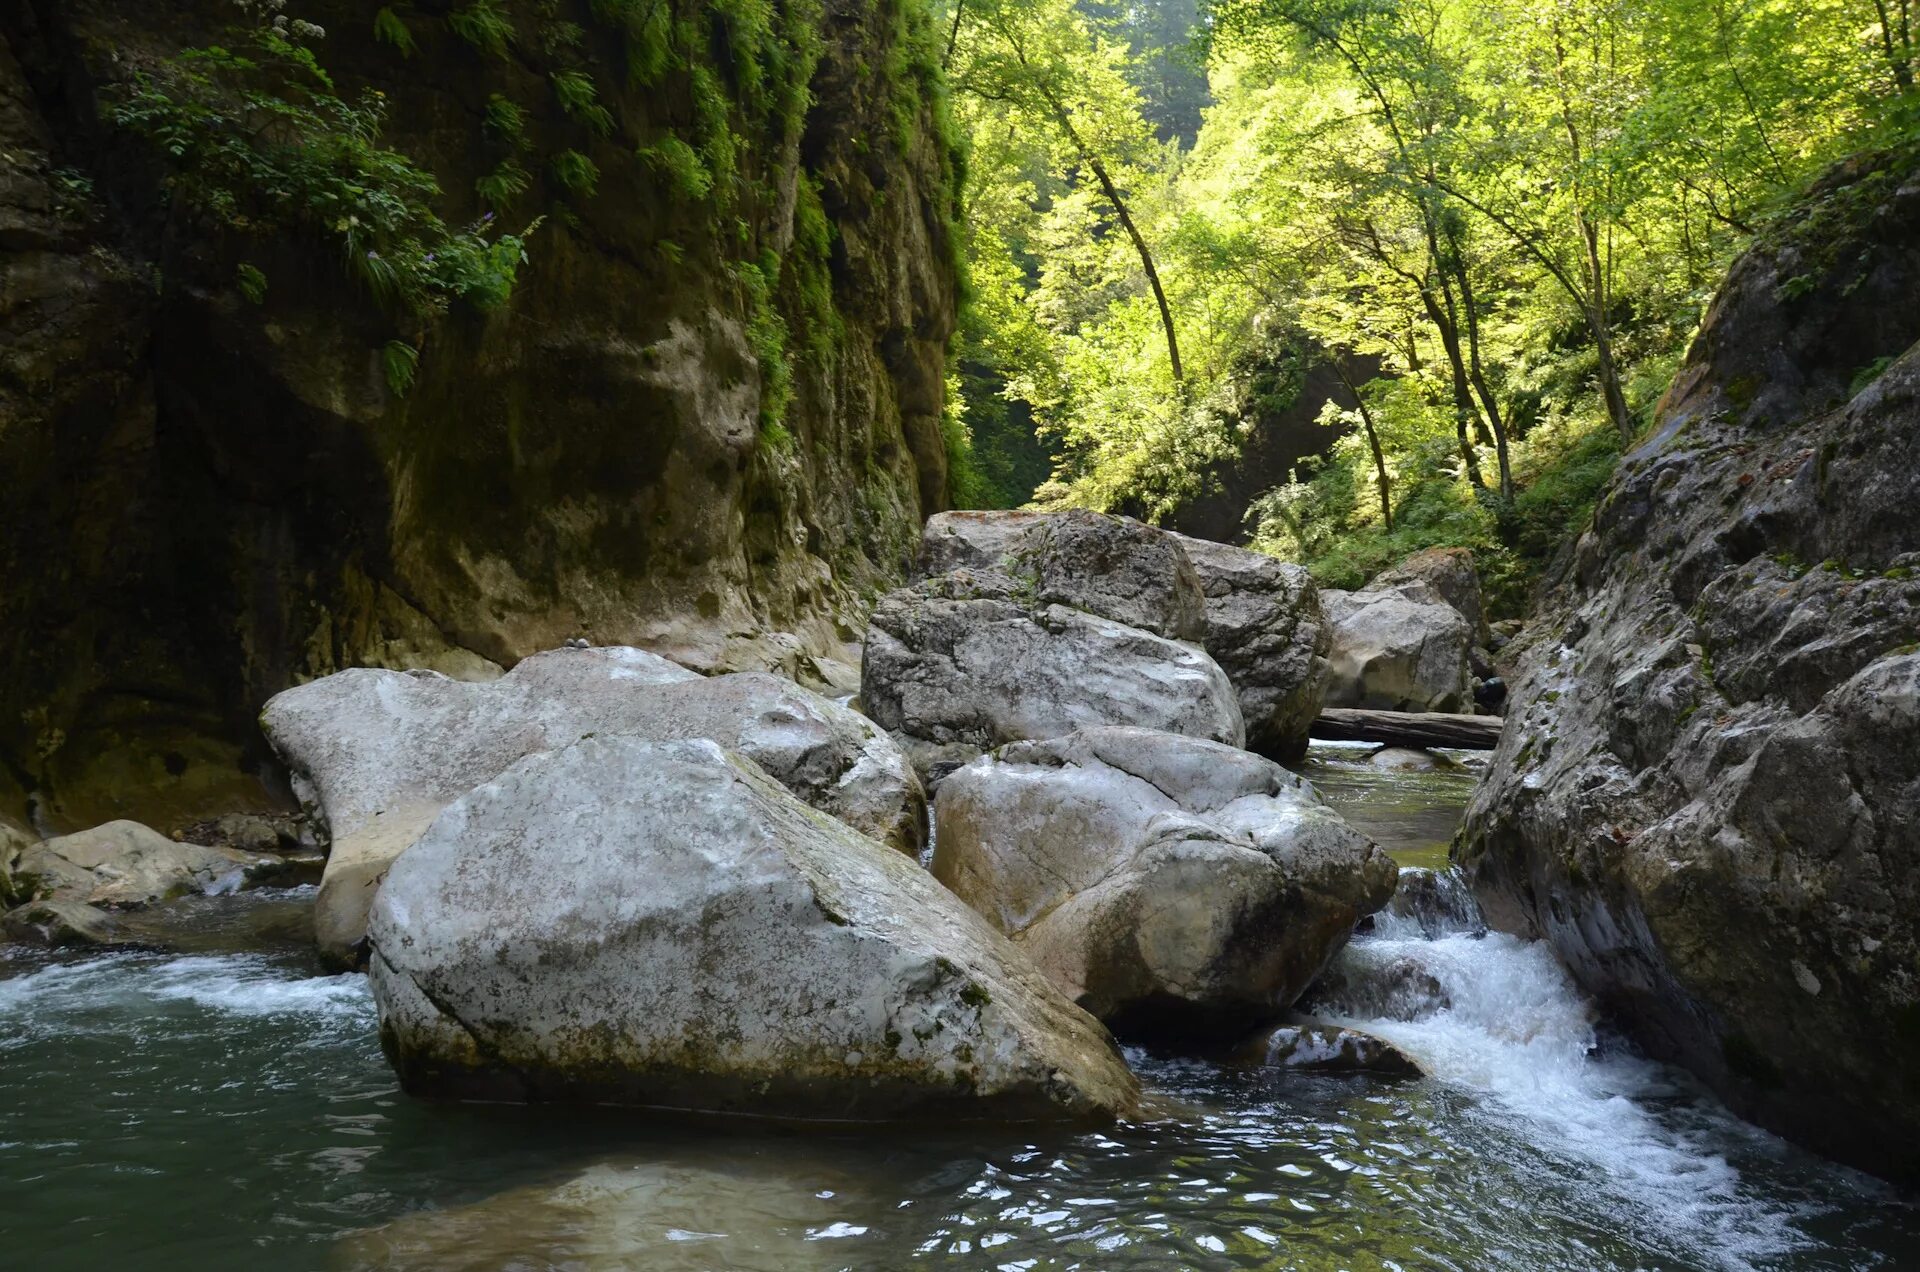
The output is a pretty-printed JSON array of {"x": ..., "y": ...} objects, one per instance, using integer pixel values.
[{"x": 1498, "y": 1018}]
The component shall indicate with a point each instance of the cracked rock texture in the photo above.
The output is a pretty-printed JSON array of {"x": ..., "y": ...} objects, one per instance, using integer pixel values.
[
  {"x": 1708, "y": 793},
  {"x": 662, "y": 924},
  {"x": 966, "y": 661},
  {"x": 1257, "y": 617},
  {"x": 378, "y": 754},
  {"x": 1159, "y": 880},
  {"x": 209, "y": 499}
]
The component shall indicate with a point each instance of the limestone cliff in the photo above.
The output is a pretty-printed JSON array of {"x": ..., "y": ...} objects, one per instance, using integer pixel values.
[
  {"x": 706, "y": 421},
  {"x": 1707, "y": 796}
]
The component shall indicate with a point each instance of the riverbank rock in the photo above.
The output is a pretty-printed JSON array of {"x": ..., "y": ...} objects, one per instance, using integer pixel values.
[
  {"x": 1448, "y": 573},
  {"x": 1317, "y": 1047},
  {"x": 61, "y": 923},
  {"x": 126, "y": 864},
  {"x": 662, "y": 924},
  {"x": 967, "y": 661},
  {"x": 1398, "y": 649},
  {"x": 1708, "y": 794},
  {"x": 1159, "y": 880},
  {"x": 378, "y": 754}
]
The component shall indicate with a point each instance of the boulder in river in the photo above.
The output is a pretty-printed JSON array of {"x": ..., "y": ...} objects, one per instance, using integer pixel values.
[
  {"x": 1162, "y": 881},
  {"x": 662, "y": 924},
  {"x": 969, "y": 660},
  {"x": 123, "y": 863},
  {"x": 1448, "y": 573},
  {"x": 1707, "y": 797},
  {"x": 1318, "y": 1047},
  {"x": 54, "y": 922},
  {"x": 1396, "y": 651},
  {"x": 1258, "y": 617},
  {"x": 378, "y": 754}
]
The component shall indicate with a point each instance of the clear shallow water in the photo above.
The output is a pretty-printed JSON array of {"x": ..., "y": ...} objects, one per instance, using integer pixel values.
[
  {"x": 1413, "y": 814},
  {"x": 217, "y": 1110}
]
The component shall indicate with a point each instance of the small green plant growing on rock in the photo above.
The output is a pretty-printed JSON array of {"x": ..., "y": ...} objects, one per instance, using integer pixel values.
[
  {"x": 485, "y": 25},
  {"x": 576, "y": 172},
  {"x": 581, "y": 101},
  {"x": 389, "y": 28}
]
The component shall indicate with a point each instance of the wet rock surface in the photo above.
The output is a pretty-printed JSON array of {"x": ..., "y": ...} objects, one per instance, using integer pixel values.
[
  {"x": 126, "y": 864},
  {"x": 1318, "y": 1047},
  {"x": 379, "y": 753},
  {"x": 661, "y": 924},
  {"x": 1163, "y": 882},
  {"x": 1706, "y": 795}
]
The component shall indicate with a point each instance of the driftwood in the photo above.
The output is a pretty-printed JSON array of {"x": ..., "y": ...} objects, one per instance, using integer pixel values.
[{"x": 1409, "y": 728}]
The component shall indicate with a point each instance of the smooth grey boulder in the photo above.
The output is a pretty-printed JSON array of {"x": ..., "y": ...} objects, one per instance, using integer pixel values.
[
  {"x": 963, "y": 662},
  {"x": 1707, "y": 796},
  {"x": 61, "y": 923},
  {"x": 1159, "y": 880},
  {"x": 1267, "y": 630},
  {"x": 1258, "y": 617},
  {"x": 1448, "y": 573},
  {"x": 125, "y": 864},
  {"x": 1399, "y": 649},
  {"x": 377, "y": 754},
  {"x": 662, "y": 924}
]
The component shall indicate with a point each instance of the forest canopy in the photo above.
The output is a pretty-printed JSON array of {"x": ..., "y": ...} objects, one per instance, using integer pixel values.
[{"x": 1490, "y": 225}]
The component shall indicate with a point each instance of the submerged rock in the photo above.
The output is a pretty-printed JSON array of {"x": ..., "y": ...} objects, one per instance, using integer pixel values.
[
  {"x": 969, "y": 661},
  {"x": 661, "y": 924},
  {"x": 378, "y": 754},
  {"x": 1323, "y": 1048},
  {"x": 1159, "y": 880},
  {"x": 123, "y": 863},
  {"x": 1708, "y": 794},
  {"x": 1399, "y": 649},
  {"x": 55, "y": 922}
]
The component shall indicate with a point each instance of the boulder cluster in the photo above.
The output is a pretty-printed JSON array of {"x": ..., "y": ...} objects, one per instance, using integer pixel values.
[{"x": 602, "y": 877}]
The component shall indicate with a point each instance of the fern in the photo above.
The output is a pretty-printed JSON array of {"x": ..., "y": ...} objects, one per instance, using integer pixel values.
[
  {"x": 389, "y": 29},
  {"x": 485, "y": 25},
  {"x": 580, "y": 100},
  {"x": 684, "y": 171},
  {"x": 576, "y": 172},
  {"x": 252, "y": 283},
  {"x": 504, "y": 119},
  {"x": 399, "y": 360},
  {"x": 500, "y": 186}
]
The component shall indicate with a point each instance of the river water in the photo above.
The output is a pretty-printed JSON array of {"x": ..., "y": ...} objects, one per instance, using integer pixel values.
[{"x": 227, "y": 1108}]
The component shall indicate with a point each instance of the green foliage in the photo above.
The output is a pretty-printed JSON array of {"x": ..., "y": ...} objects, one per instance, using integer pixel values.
[
  {"x": 767, "y": 334},
  {"x": 503, "y": 184},
  {"x": 389, "y": 28},
  {"x": 505, "y": 120},
  {"x": 580, "y": 100},
  {"x": 485, "y": 24},
  {"x": 398, "y": 361},
  {"x": 251, "y": 282},
  {"x": 576, "y": 172},
  {"x": 682, "y": 167},
  {"x": 259, "y": 142}
]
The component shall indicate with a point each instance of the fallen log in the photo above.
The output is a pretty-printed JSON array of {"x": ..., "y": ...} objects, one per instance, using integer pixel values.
[{"x": 1408, "y": 728}]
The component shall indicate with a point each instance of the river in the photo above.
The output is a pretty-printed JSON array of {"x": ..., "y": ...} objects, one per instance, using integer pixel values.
[{"x": 225, "y": 1107}]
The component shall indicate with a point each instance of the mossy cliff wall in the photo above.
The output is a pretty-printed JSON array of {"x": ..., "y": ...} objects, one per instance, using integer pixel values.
[{"x": 705, "y": 421}]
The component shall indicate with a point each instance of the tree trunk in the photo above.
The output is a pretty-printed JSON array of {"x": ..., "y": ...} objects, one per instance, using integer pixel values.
[
  {"x": 1463, "y": 411},
  {"x": 1408, "y": 728},
  {"x": 1146, "y": 257},
  {"x": 1487, "y": 400},
  {"x": 1603, "y": 336},
  {"x": 1373, "y": 441}
]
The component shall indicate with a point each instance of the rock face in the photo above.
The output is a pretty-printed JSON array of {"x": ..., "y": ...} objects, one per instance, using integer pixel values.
[
  {"x": 60, "y": 923},
  {"x": 1157, "y": 879},
  {"x": 1265, "y": 627},
  {"x": 378, "y": 754},
  {"x": 1397, "y": 652},
  {"x": 968, "y": 661},
  {"x": 1316, "y": 1047},
  {"x": 1448, "y": 573},
  {"x": 661, "y": 924},
  {"x": 126, "y": 864},
  {"x": 1708, "y": 794},
  {"x": 589, "y": 459},
  {"x": 1259, "y": 618}
]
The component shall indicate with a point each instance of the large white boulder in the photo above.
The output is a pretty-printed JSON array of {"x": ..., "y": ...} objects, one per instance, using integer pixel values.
[
  {"x": 1397, "y": 649},
  {"x": 965, "y": 661},
  {"x": 377, "y": 754},
  {"x": 662, "y": 924},
  {"x": 1157, "y": 879}
]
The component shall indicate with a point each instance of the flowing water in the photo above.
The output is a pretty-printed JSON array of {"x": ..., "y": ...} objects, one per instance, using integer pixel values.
[{"x": 227, "y": 1108}]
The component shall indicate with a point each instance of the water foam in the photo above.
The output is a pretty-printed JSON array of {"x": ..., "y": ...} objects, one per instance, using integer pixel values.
[{"x": 1499, "y": 1017}]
